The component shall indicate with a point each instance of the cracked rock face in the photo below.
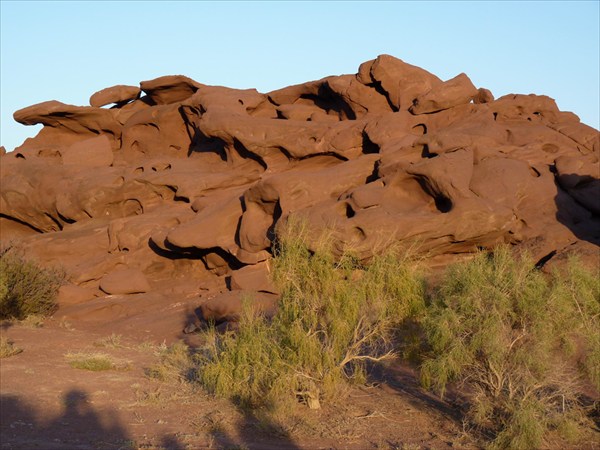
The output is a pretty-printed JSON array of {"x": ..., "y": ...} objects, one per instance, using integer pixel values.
[{"x": 194, "y": 181}]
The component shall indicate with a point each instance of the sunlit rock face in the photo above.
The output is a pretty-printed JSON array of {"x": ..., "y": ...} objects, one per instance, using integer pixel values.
[{"x": 178, "y": 180}]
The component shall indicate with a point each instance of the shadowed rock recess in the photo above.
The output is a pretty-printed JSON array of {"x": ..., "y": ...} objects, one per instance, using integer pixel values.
[{"x": 180, "y": 187}]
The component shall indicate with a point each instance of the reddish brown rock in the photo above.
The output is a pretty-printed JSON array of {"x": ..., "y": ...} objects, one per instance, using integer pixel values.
[
  {"x": 255, "y": 278},
  {"x": 92, "y": 152},
  {"x": 212, "y": 227},
  {"x": 119, "y": 94},
  {"x": 286, "y": 192},
  {"x": 125, "y": 281},
  {"x": 84, "y": 120},
  {"x": 71, "y": 294},
  {"x": 457, "y": 91},
  {"x": 483, "y": 96},
  {"x": 191, "y": 184},
  {"x": 153, "y": 132},
  {"x": 169, "y": 89},
  {"x": 401, "y": 82}
]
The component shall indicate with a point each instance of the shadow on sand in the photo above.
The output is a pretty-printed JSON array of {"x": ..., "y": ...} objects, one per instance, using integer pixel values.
[
  {"x": 249, "y": 431},
  {"x": 253, "y": 434},
  {"x": 79, "y": 426}
]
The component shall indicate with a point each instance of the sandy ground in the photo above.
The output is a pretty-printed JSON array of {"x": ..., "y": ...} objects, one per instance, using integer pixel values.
[{"x": 47, "y": 404}]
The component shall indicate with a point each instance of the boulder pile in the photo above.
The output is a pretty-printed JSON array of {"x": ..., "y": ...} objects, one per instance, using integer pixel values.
[{"x": 183, "y": 185}]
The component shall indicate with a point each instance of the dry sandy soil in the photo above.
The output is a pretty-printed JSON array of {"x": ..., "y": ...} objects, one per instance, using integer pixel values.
[{"x": 47, "y": 404}]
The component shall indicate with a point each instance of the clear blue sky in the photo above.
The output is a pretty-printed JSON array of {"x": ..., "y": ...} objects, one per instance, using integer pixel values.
[{"x": 68, "y": 50}]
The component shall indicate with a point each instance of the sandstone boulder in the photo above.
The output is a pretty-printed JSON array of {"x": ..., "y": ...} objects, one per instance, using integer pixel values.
[
  {"x": 83, "y": 120},
  {"x": 71, "y": 294},
  {"x": 119, "y": 94},
  {"x": 457, "y": 91},
  {"x": 124, "y": 281},
  {"x": 401, "y": 81},
  {"x": 169, "y": 89}
]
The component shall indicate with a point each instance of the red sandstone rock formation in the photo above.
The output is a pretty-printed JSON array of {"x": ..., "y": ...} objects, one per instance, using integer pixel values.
[{"x": 184, "y": 188}]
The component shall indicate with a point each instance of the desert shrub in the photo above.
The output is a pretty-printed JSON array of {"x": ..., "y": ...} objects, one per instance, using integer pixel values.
[
  {"x": 26, "y": 288},
  {"x": 580, "y": 290},
  {"x": 334, "y": 316},
  {"x": 508, "y": 333}
]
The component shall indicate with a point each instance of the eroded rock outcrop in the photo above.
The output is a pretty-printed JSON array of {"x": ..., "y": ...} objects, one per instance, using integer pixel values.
[
  {"x": 193, "y": 182},
  {"x": 119, "y": 95}
]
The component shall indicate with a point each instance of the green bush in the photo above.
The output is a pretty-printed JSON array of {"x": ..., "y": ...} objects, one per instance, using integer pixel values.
[
  {"x": 334, "y": 316},
  {"x": 25, "y": 287},
  {"x": 580, "y": 289},
  {"x": 509, "y": 334}
]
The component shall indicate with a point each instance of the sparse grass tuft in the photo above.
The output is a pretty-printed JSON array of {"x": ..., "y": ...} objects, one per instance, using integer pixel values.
[
  {"x": 334, "y": 317},
  {"x": 508, "y": 333},
  {"x": 95, "y": 362},
  {"x": 146, "y": 346},
  {"x": 33, "y": 321},
  {"x": 176, "y": 364},
  {"x": 7, "y": 348},
  {"x": 66, "y": 325},
  {"x": 150, "y": 397},
  {"x": 25, "y": 287},
  {"x": 112, "y": 341},
  {"x": 212, "y": 421},
  {"x": 410, "y": 447}
]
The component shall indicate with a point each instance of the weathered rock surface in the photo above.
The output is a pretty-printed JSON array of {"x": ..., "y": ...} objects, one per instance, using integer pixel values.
[
  {"x": 125, "y": 281},
  {"x": 169, "y": 89},
  {"x": 457, "y": 91},
  {"x": 120, "y": 94},
  {"x": 184, "y": 189}
]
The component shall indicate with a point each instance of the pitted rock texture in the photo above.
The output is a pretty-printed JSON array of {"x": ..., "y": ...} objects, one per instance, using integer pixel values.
[{"x": 192, "y": 182}]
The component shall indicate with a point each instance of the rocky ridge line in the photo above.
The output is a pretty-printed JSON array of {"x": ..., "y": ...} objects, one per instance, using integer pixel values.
[{"x": 180, "y": 191}]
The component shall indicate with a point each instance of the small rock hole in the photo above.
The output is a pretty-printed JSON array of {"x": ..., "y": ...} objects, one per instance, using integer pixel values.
[
  {"x": 350, "y": 213},
  {"x": 425, "y": 153},
  {"x": 443, "y": 204}
]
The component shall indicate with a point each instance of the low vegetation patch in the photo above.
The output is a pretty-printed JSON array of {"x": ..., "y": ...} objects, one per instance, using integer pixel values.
[
  {"x": 33, "y": 321},
  {"x": 8, "y": 348},
  {"x": 520, "y": 346},
  {"x": 112, "y": 341},
  {"x": 25, "y": 287},
  {"x": 177, "y": 363},
  {"x": 518, "y": 342},
  {"x": 334, "y": 317},
  {"x": 94, "y": 362}
]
